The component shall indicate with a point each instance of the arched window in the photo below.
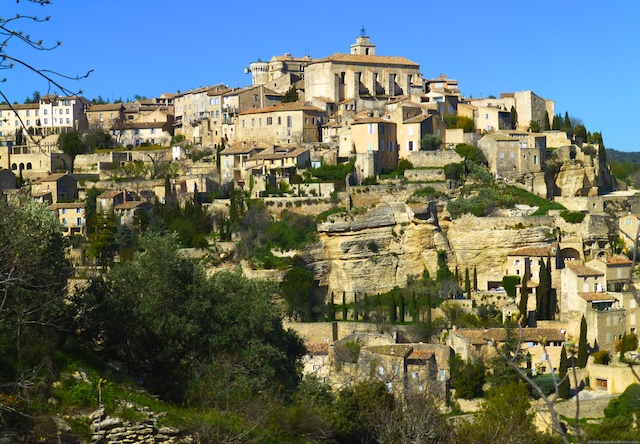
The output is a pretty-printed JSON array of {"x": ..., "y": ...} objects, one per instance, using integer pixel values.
[
  {"x": 29, "y": 165},
  {"x": 21, "y": 166},
  {"x": 14, "y": 166}
]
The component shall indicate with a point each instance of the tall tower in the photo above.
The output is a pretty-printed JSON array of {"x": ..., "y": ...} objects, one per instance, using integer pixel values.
[{"x": 362, "y": 45}]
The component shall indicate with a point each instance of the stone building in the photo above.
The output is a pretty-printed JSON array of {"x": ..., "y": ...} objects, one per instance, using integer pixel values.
[
  {"x": 282, "y": 124},
  {"x": 374, "y": 144},
  {"x": 61, "y": 186},
  {"x": 362, "y": 73},
  {"x": 239, "y": 100},
  {"x": 105, "y": 116},
  {"x": 280, "y": 73},
  {"x": 72, "y": 217},
  {"x": 528, "y": 106},
  {"x": 509, "y": 156}
]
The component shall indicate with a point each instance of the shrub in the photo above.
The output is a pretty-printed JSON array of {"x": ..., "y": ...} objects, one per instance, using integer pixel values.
[
  {"x": 627, "y": 403},
  {"x": 601, "y": 357},
  {"x": 454, "y": 171},
  {"x": 471, "y": 153},
  {"x": 573, "y": 217},
  {"x": 373, "y": 246},
  {"x": 347, "y": 351},
  {"x": 403, "y": 165},
  {"x": 509, "y": 283},
  {"x": 425, "y": 192}
]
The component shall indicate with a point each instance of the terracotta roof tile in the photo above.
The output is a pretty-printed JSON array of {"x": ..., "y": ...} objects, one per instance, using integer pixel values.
[
  {"x": 583, "y": 270},
  {"x": 367, "y": 59},
  {"x": 535, "y": 251},
  {"x": 602, "y": 296}
]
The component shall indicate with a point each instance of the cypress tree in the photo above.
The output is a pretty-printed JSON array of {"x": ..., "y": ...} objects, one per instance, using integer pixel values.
[
  {"x": 344, "y": 306},
  {"x": 546, "y": 126},
  {"x": 365, "y": 303},
  {"x": 566, "y": 124},
  {"x": 557, "y": 122},
  {"x": 475, "y": 279},
  {"x": 624, "y": 346},
  {"x": 415, "y": 308},
  {"x": 457, "y": 276},
  {"x": 392, "y": 310},
  {"x": 379, "y": 306},
  {"x": 428, "y": 303},
  {"x": 467, "y": 283},
  {"x": 401, "y": 308},
  {"x": 542, "y": 297},
  {"x": 563, "y": 386},
  {"x": 514, "y": 117},
  {"x": 332, "y": 309},
  {"x": 524, "y": 292},
  {"x": 583, "y": 352},
  {"x": 355, "y": 306}
]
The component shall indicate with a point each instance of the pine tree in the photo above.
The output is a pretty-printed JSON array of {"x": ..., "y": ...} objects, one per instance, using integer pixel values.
[
  {"x": 475, "y": 279},
  {"x": 344, "y": 306},
  {"x": 467, "y": 283},
  {"x": 563, "y": 386},
  {"x": 583, "y": 352}
]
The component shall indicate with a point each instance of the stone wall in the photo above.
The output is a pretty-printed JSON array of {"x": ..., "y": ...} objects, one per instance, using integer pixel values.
[
  {"x": 438, "y": 158},
  {"x": 430, "y": 175},
  {"x": 366, "y": 196}
]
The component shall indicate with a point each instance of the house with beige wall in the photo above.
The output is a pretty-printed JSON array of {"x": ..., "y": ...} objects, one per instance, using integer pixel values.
[
  {"x": 62, "y": 186},
  {"x": 239, "y": 100},
  {"x": 528, "y": 106},
  {"x": 509, "y": 156},
  {"x": 487, "y": 119},
  {"x": 105, "y": 116},
  {"x": 233, "y": 161},
  {"x": 280, "y": 73},
  {"x": 375, "y": 146},
  {"x": 282, "y": 124},
  {"x": 72, "y": 217}
]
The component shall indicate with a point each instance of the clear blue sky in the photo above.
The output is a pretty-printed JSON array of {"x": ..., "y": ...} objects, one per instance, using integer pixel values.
[{"x": 582, "y": 54}]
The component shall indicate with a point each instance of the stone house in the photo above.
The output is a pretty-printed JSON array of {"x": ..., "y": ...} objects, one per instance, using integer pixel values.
[
  {"x": 233, "y": 161},
  {"x": 279, "y": 162},
  {"x": 508, "y": 156},
  {"x": 316, "y": 361},
  {"x": 62, "y": 112},
  {"x": 127, "y": 211},
  {"x": 18, "y": 117},
  {"x": 212, "y": 133},
  {"x": 239, "y": 100},
  {"x": 72, "y": 217},
  {"x": 62, "y": 186},
  {"x": 136, "y": 133},
  {"x": 528, "y": 105},
  {"x": 544, "y": 345},
  {"x": 107, "y": 201},
  {"x": 282, "y": 124},
  {"x": 486, "y": 118},
  {"x": 375, "y": 146},
  {"x": 412, "y": 130},
  {"x": 105, "y": 116},
  {"x": 617, "y": 271},
  {"x": 628, "y": 228}
]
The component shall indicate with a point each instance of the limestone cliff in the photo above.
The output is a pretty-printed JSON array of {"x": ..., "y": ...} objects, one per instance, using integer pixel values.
[
  {"x": 380, "y": 249},
  {"x": 571, "y": 171}
]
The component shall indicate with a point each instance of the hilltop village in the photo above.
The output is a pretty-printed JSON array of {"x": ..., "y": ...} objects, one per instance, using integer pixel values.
[{"x": 412, "y": 230}]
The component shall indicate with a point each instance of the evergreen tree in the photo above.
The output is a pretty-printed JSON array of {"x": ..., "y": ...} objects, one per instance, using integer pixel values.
[
  {"x": 392, "y": 310},
  {"x": 475, "y": 279},
  {"x": 542, "y": 297},
  {"x": 524, "y": 292},
  {"x": 415, "y": 309},
  {"x": 467, "y": 283},
  {"x": 365, "y": 308},
  {"x": 563, "y": 386},
  {"x": 331, "y": 309},
  {"x": 557, "y": 122},
  {"x": 546, "y": 126},
  {"x": 624, "y": 347},
  {"x": 428, "y": 304},
  {"x": 379, "y": 306},
  {"x": 457, "y": 276},
  {"x": 344, "y": 306},
  {"x": 566, "y": 124},
  {"x": 514, "y": 118},
  {"x": 583, "y": 352},
  {"x": 401, "y": 308},
  {"x": 355, "y": 306}
]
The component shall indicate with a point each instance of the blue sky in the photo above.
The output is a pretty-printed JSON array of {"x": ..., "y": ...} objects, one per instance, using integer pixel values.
[{"x": 582, "y": 54}]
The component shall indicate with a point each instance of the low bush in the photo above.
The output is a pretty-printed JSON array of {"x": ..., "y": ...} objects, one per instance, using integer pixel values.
[
  {"x": 573, "y": 217},
  {"x": 601, "y": 357}
]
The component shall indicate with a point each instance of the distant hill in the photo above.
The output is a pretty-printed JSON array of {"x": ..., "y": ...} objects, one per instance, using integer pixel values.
[{"x": 625, "y": 166}]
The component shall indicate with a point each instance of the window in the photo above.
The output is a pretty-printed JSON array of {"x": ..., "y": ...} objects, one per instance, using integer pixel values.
[
  {"x": 279, "y": 120},
  {"x": 65, "y": 222},
  {"x": 289, "y": 121},
  {"x": 63, "y": 211},
  {"x": 410, "y": 145},
  {"x": 411, "y": 131},
  {"x": 269, "y": 120},
  {"x": 517, "y": 262},
  {"x": 502, "y": 155},
  {"x": 37, "y": 112},
  {"x": 69, "y": 122},
  {"x": 371, "y": 129},
  {"x": 45, "y": 111},
  {"x": 101, "y": 118},
  {"x": 153, "y": 131},
  {"x": 79, "y": 221},
  {"x": 28, "y": 112},
  {"x": 46, "y": 121},
  {"x": 535, "y": 159},
  {"x": 28, "y": 122},
  {"x": 253, "y": 122},
  {"x": 260, "y": 121},
  {"x": 67, "y": 112},
  {"x": 486, "y": 116},
  {"x": 381, "y": 129}
]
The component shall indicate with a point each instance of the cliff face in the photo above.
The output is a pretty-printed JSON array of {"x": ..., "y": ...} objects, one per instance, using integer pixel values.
[
  {"x": 378, "y": 250},
  {"x": 572, "y": 172}
]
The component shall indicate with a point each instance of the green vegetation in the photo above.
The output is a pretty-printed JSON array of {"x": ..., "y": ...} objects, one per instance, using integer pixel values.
[
  {"x": 333, "y": 173},
  {"x": 482, "y": 199},
  {"x": 573, "y": 217},
  {"x": 430, "y": 142},
  {"x": 471, "y": 153},
  {"x": 601, "y": 357},
  {"x": 465, "y": 123}
]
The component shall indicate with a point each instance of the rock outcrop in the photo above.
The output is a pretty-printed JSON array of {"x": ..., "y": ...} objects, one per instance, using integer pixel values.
[{"x": 378, "y": 250}]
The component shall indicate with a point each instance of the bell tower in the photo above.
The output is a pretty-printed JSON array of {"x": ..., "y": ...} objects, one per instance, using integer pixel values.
[{"x": 362, "y": 45}]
